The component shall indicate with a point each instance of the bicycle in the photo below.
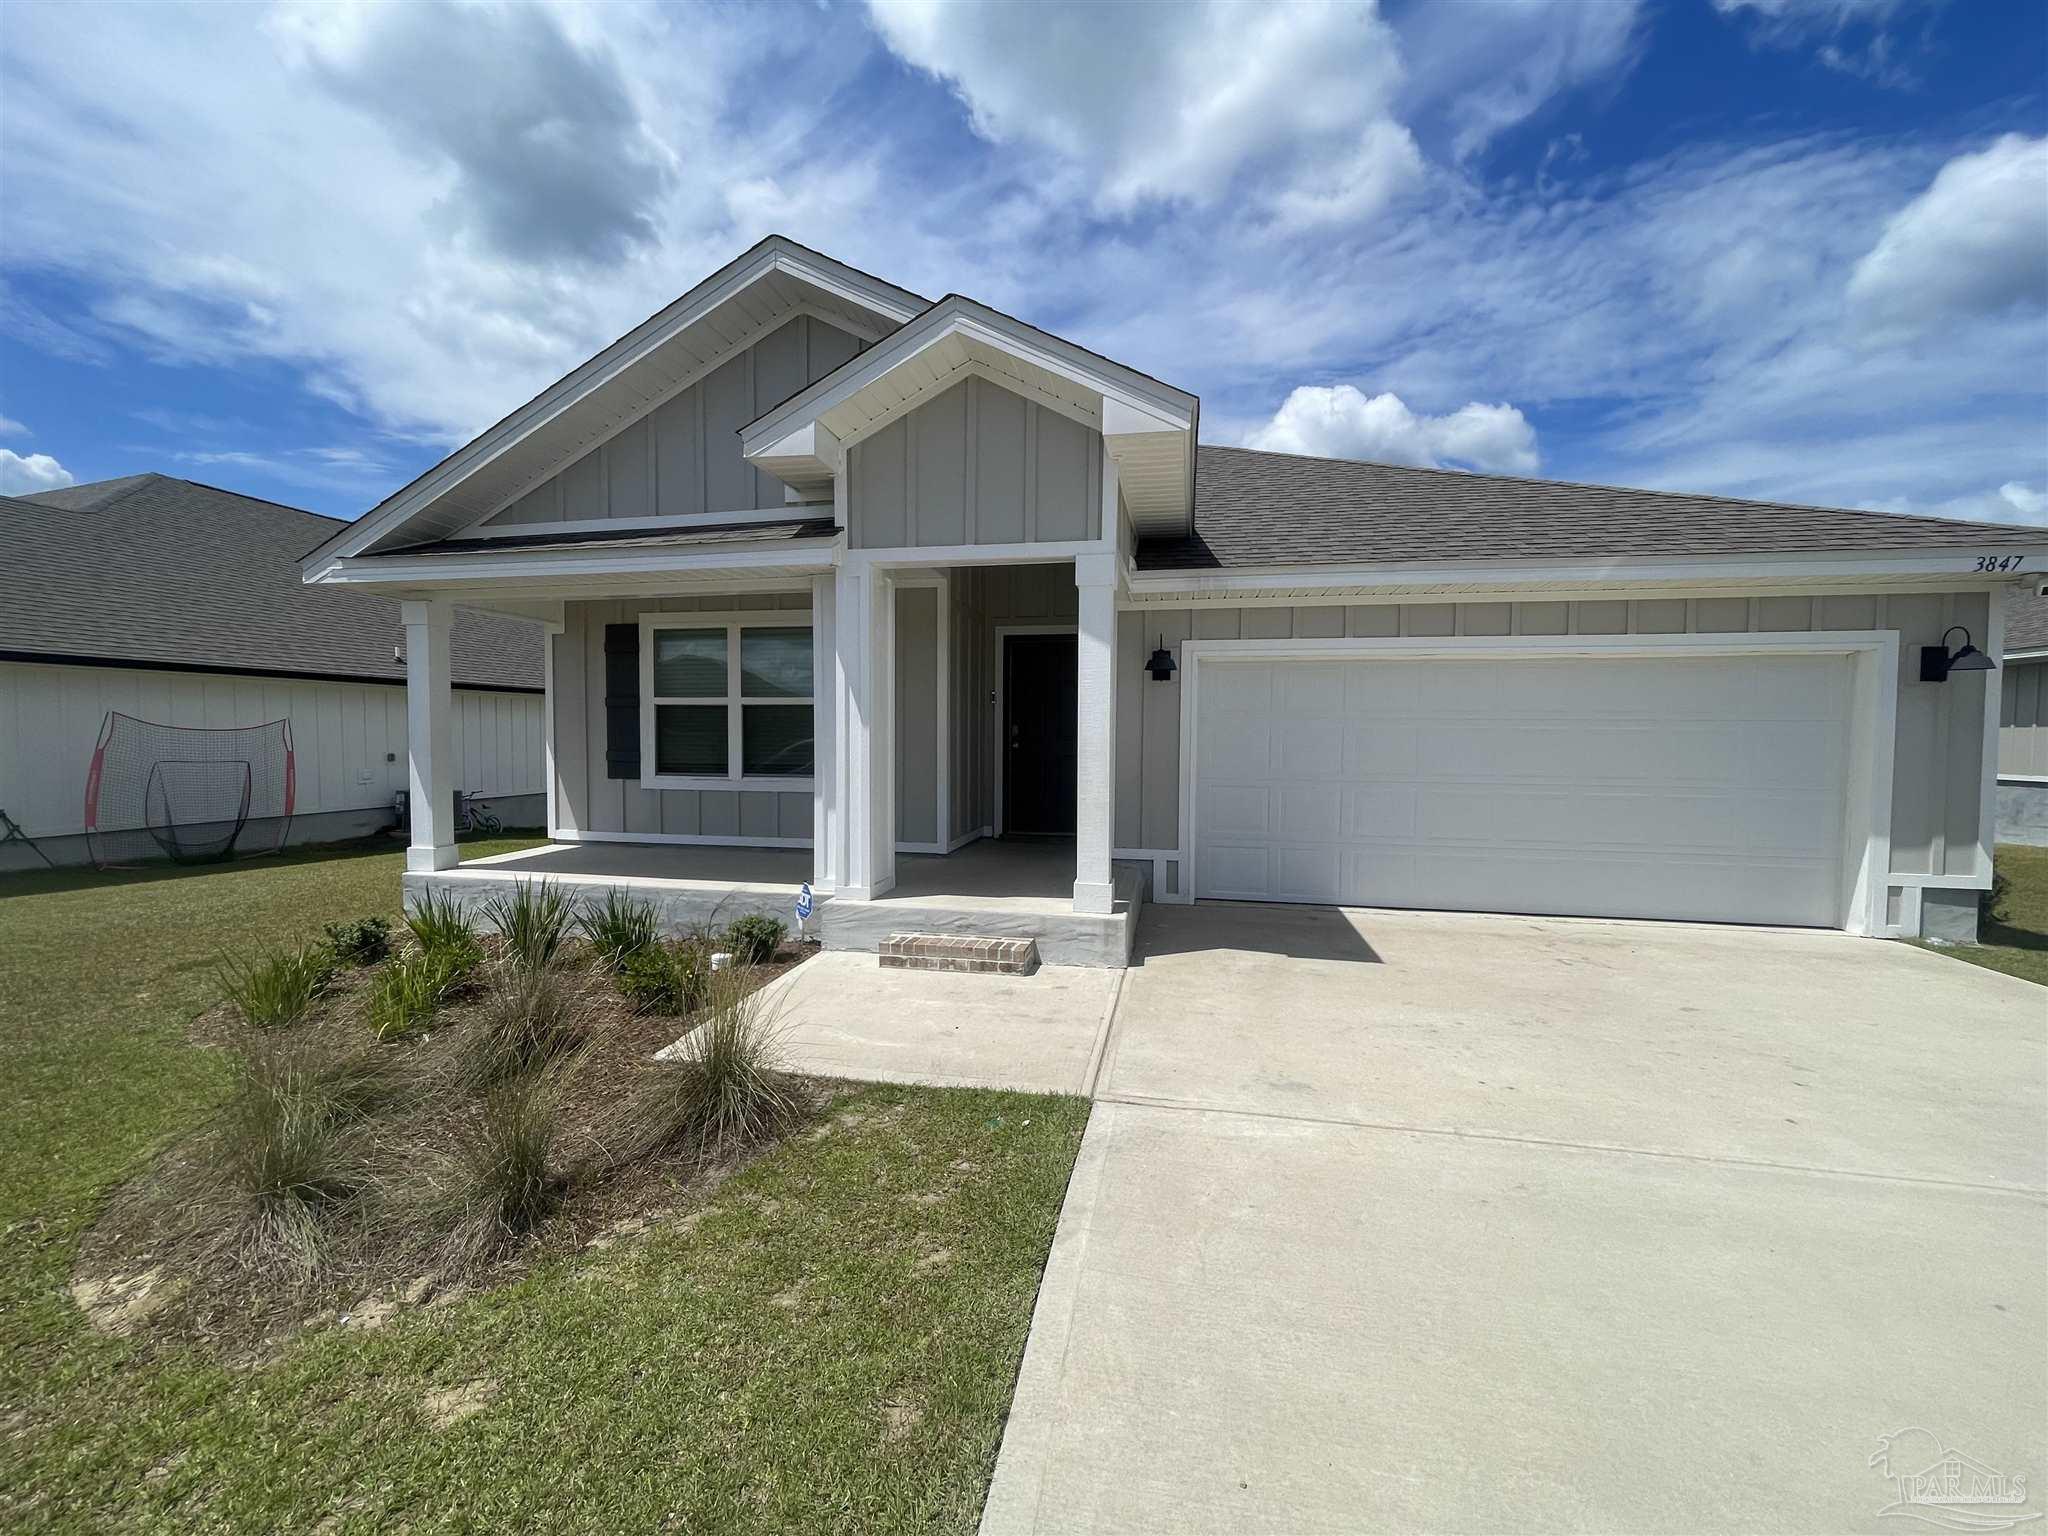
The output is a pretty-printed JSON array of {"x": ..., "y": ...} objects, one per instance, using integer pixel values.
[{"x": 473, "y": 815}]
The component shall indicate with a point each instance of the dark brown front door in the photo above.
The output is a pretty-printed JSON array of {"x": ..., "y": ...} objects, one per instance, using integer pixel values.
[{"x": 1038, "y": 735}]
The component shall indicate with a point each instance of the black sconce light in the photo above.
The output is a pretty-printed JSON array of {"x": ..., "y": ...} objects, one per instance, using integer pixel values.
[
  {"x": 1937, "y": 661},
  {"x": 1161, "y": 665}
]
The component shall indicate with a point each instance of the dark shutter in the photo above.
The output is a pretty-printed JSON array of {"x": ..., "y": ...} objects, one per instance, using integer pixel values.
[{"x": 622, "y": 701}]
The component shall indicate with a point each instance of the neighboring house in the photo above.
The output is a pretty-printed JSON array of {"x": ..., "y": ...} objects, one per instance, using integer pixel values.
[
  {"x": 2023, "y": 720},
  {"x": 829, "y": 567},
  {"x": 182, "y": 604}
]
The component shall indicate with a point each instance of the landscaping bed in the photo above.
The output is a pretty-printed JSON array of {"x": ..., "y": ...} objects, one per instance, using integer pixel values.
[{"x": 818, "y": 1331}]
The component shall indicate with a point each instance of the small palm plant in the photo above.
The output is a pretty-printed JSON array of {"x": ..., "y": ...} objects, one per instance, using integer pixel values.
[
  {"x": 619, "y": 929},
  {"x": 533, "y": 920}
]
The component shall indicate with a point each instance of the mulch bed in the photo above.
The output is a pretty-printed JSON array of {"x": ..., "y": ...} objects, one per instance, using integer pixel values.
[{"x": 154, "y": 1266}]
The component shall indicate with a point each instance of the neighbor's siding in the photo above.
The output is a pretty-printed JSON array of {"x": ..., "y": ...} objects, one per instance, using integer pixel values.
[
  {"x": 587, "y": 801},
  {"x": 1938, "y": 747},
  {"x": 684, "y": 456},
  {"x": 2023, "y": 719},
  {"x": 348, "y": 739},
  {"x": 975, "y": 465}
]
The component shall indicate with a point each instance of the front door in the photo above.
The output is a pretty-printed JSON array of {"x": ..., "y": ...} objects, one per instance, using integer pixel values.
[{"x": 1039, "y": 707}]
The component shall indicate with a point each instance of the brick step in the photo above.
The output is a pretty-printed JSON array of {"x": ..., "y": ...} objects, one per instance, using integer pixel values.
[{"x": 959, "y": 952}]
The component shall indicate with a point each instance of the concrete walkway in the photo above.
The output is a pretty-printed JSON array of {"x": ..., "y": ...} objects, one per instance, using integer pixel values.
[
  {"x": 842, "y": 1015},
  {"x": 1401, "y": 1221}
]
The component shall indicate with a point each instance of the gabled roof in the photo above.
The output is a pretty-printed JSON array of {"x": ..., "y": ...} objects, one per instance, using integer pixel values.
[
  {"x": 1279, "y": 509},
  {"x": 735, "y": 306},
  {"x": 1148, "y": 427},
  {"x": 153, "y": 571}
]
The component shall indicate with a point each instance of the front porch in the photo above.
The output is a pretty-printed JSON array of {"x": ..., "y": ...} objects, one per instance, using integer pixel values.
[{"x": 991, "y": 888}]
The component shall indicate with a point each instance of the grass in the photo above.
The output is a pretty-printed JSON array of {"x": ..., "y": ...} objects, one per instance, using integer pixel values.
[
  {"x": 2015, "y": 939},
  {"x": 829, "y": 1343}
]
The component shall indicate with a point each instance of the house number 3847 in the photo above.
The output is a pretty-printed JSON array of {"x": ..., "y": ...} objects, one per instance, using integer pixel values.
[{"x": 1999, "y": 562}]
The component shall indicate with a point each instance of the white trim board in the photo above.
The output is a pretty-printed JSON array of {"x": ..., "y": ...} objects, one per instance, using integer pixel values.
[{"x": 1872, "y": 725}]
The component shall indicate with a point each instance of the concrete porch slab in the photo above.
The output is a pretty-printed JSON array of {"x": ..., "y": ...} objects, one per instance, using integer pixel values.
[{"x": 842, "y": 1015}]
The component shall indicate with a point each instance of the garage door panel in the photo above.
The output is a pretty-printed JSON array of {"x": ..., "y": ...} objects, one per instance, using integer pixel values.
[
  {"x": 1246, "y": 688},
  {"x": 1240, "y": 744},
  {"x": 1308, "y": 749},
  {"x": 1706, "y": 788}
]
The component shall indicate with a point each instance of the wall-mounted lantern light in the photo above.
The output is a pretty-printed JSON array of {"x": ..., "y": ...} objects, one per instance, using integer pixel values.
[
  {"x": 1161, "y": 664},
  {"x": 1937, "y": 661}
]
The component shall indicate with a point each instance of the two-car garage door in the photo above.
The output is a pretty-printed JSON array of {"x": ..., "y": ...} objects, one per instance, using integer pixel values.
[{"x": 1700, "y": 787}]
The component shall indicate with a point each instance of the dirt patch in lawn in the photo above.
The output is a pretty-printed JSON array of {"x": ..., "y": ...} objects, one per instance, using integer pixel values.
[{"x": 181, "y": 1258}]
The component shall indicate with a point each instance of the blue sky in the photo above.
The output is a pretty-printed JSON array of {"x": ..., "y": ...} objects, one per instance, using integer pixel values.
[{"x": 1791, "y": 249}]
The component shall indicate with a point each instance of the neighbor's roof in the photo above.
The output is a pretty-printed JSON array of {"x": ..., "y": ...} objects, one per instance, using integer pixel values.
[
  {"x": 151, "y": 570},
  {"x": 1262, "y": 509},
  {"x": 2026, "y": 620}
]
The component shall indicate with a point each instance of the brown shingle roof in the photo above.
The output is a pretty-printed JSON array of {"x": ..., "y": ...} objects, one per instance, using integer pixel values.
[
  {"x": 1254, "y": 508},
  {"x": 153, "y": 570}
]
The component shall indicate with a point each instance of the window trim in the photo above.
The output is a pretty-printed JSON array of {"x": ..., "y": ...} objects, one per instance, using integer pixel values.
[{"x": 733, "y": 702}]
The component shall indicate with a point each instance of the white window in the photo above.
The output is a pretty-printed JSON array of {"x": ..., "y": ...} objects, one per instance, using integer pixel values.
[{"x": 725, "y": 701}]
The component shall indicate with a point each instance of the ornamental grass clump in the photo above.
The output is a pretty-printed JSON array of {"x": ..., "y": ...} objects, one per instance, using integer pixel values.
[
  {"x": 412, "y": 989},
  {"x": 290, "y": 1149},
  {"x": 276, "y": 989},
  {"x": 619, "y": 929},
  {"x": 527, "y": 1019},
  {"x": 666, "y": 978},
  {"x": 533, "y": 920},
  {"x": 722, "y": 1087},
  {"x": 500, "y": 1184}
]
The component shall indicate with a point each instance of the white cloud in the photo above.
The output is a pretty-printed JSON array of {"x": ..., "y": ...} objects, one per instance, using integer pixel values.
[
  {"x": 1175, "y": 103},
  {"x": 2012, "y": 502},
  {"x": 23, "y": 475},
  {"x": 1343, "y": 422},
  {"x": 9, "y": 427},
  {"x": 1975, "y": 243}
]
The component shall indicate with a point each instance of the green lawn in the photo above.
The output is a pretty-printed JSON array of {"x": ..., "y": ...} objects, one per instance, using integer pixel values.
[
  {"x": 2015, "y": 942},
  {"x": 831, "y": 1344}
]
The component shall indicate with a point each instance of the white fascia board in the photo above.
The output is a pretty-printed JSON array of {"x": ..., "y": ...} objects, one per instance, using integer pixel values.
[
  {"x": 492, "y": 566},
  {"x": 1489, "y": 575},
  {"x": 2036, "y": 654},
  {"x": 1169, "y": 408},
  {"x": 772, "y": 255}
]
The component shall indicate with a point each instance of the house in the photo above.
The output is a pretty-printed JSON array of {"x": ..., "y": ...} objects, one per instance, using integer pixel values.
[
  {"x": 2023, "y": 720},
  {"x": 960, "y": 622},
  {"x": 182, "y": 604}
]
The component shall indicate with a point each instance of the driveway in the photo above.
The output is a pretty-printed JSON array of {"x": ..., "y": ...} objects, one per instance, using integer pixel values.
[{"x": 1419, "y": 1221}]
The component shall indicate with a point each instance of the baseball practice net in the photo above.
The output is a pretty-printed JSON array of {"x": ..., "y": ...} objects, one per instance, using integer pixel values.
[{"x": 187, "y": 792}]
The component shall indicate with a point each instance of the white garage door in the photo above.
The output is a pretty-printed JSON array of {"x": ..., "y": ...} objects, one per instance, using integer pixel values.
[{"x": 1707, "y": 788}]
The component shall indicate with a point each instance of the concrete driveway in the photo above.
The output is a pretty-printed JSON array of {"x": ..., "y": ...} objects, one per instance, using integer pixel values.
[{"x": 1412, "y": 1221}]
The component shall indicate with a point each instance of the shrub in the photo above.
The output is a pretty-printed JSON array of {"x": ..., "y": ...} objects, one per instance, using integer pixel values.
[
  {"x": 362, "y": 942},
  {"x": 288, "y": 1147},
  {"x": 724, "y": 1087},
  {"x": 526, "y": 1021},
  {"x": 755, "y": 938},
  {"x": 533, "y": 920},
  {"x": 622, "y": 927},
  {"x": 438, "y": 924},
  {"x": 277, "y": 988},
  {"x": 501, "y": 1187},
  {"x": 1993, "y": 906},
  {"x": 666, "y": 978},
  {"x": 409, "y": 992}
]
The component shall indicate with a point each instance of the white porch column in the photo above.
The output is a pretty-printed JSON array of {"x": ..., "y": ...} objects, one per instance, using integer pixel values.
[
  {"x": 1095, "y": 735},
  {"x": 828, "y": 846},
  {"x": 864, "y": 629},
  {"x": 429, "y": 753}
]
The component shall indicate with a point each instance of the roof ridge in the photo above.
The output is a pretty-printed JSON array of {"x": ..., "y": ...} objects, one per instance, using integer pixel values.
[{"x": 1633, "y": 490}]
